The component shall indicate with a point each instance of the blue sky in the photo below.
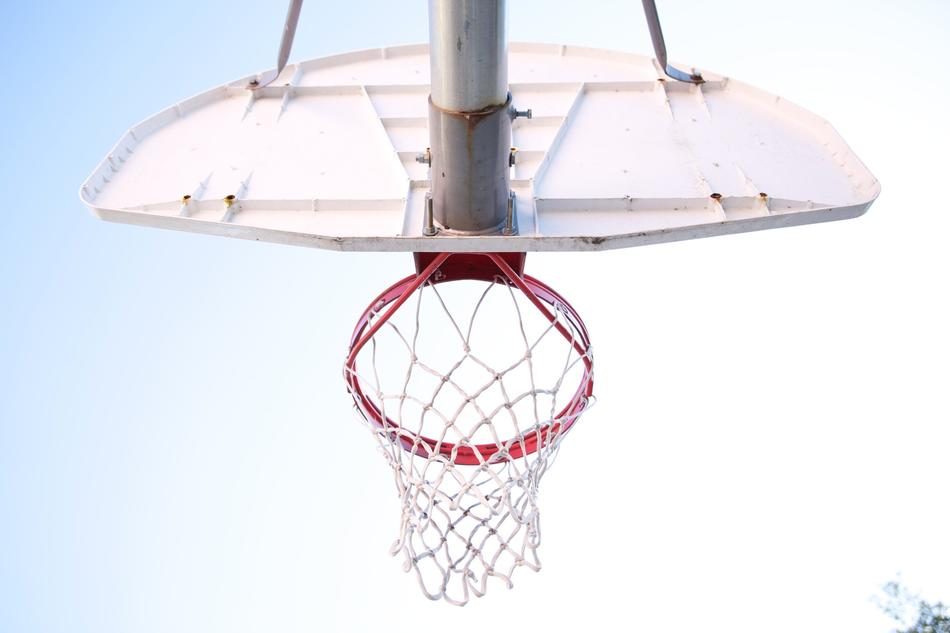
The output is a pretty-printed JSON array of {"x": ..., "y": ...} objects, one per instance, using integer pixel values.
[{"x": 176, "y": 447}]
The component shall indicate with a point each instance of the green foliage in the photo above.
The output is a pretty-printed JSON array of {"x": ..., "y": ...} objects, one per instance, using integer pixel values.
[{"x": 912, "y": 613}]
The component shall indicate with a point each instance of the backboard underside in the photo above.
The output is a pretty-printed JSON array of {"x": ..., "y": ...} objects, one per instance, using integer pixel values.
[{"x": 614, "y": 156}]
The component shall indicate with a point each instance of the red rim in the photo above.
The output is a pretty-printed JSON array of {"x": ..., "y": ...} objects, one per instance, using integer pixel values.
[{"x": 540, "y": 295}]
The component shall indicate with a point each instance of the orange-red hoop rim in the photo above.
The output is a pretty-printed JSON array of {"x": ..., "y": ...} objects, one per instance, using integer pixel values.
[{"x": 539, "y": 294}]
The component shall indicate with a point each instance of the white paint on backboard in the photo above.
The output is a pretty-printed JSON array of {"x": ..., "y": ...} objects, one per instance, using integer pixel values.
[{"x": 614, "y": 157}]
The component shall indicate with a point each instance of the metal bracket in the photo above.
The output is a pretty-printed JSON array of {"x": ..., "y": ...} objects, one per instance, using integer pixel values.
[
  {"x": 286, "y": 42},
  {"x": 659, "y": 47}
]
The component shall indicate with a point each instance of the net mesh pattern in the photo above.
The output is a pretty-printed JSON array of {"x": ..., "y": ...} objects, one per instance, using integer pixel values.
[{"x": 469, "y": 405}]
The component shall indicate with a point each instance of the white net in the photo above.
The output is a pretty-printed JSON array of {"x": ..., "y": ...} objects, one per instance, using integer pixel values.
[{"x": 469, "y": 388}]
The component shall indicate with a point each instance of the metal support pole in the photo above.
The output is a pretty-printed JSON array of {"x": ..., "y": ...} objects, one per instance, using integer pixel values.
[
  {"x": 468, "y": 54},
  {"x": 470, "y": 115}
]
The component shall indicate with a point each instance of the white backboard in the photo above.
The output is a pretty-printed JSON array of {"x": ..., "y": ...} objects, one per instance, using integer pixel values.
[{"x": 614, "y": 156}]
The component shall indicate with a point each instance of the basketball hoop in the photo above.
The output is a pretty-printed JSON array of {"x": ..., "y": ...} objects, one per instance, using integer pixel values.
[
  {"x": 468, "y": 490},
  {"x": 470, "y": 151}
]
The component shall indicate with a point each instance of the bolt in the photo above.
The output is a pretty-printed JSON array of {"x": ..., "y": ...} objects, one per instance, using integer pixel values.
[
  {"x": 428, "y": 222},
  {"x": 425, "y": 158},
  {"x": 521, "y": 114},
  {"x": 509, "y": 228},
  {"x": 511, "y": 157}
]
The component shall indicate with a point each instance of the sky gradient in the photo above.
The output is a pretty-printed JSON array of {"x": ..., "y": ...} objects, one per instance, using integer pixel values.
[{"x": 178, "y": 453}]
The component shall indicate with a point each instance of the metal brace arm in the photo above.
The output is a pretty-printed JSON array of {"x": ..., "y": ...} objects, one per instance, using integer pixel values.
[
  {"x": 659, "y": 47},
  {"x": 286, "y": 42},
  {"x": 649, "y": 8}
]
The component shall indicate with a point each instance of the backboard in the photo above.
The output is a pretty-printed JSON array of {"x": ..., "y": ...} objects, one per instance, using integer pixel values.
[{"x": 331, "y": 155}]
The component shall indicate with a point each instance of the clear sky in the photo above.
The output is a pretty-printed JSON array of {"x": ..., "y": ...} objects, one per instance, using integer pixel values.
[{"x": 177, "y": 451}]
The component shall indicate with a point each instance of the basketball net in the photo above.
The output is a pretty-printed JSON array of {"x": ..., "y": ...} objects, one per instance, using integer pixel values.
[{"x": 469, "y": 388}]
